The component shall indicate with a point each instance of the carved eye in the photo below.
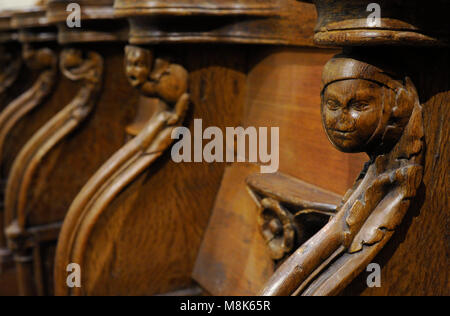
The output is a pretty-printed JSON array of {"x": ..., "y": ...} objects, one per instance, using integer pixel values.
[
  {"x": 360, "y": 105},
  {"x": 332, "y": 105}
]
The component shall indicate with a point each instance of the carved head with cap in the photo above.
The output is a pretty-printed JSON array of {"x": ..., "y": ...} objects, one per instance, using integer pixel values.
[
  {"x": 38, "y": 58},
  {"x": 155, "y": 77},
  {"x": 364, "y": 107}
]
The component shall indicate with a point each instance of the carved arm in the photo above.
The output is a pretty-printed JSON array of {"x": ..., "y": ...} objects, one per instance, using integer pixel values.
[
  {"x": 364, "y": 108},
  {"x": 130, "y": 161}
]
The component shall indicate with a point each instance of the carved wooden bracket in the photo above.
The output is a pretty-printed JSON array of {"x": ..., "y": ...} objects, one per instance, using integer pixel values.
[
  {"x": 160, "y": 79},
  {"x": 10, "y": 63},
  {"x": 375, "y": 109},
  {"x": 32, "y": 29},
  {"x": 76, "y": 65},
  {"x": 285, "y": 216},
  {"x": 228, "y": 21},
  {"x": 346, "y": 23},
  {"x": 45, "y": 61}
]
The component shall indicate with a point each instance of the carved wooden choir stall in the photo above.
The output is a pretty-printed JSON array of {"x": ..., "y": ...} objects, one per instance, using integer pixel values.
[{"x": 356, "y": 108}]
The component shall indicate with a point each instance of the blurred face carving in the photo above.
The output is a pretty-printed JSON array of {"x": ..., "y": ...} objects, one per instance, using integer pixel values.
[
  {"x": 138, "y": 64},
  {"x": 351, "y": 112}
]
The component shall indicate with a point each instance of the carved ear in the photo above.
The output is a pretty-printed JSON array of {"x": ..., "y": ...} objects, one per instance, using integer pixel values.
[{"x": 406, "y": 99}]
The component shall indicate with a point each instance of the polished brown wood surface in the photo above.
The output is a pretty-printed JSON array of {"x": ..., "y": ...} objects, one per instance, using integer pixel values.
[
  {"x": 400, "y": 23},
  {"x": 353, "y": 96},
  {"x": 282, "y": 22}
]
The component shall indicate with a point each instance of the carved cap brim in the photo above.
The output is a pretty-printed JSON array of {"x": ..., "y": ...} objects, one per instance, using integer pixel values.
[{"x": 344, "y": 67}]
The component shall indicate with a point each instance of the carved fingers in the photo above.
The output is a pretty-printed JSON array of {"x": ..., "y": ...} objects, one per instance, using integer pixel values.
[{"x": 180, "y": 111}]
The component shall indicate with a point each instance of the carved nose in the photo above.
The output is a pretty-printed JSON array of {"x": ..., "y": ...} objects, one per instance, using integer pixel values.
[{"x": 346, "y": 123}]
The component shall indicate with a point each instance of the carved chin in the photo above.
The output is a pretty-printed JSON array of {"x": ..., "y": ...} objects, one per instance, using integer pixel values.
[{"x": 345, "y": 143}]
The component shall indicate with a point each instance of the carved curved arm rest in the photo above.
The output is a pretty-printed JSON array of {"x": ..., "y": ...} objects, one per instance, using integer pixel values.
[
  {"x": 153, "y": 139},
  {"x": 376, "y": 205},
  {"x": 33, "y": 97},
  {"x": 11, "y": 62},
  {"x": 70, "y": 117},
  {"x": 291, "y": 191},
  {"x": 118, "y": 172}
]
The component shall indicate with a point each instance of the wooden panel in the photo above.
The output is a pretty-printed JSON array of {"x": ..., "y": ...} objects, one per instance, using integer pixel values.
[
  {"x": 8, "y": 281},
  {"x": 233, "y": 259}
]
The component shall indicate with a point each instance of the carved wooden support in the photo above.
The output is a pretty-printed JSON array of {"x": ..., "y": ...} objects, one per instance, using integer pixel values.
[
  {"x": 285, "y": 216},
  {"x": 52, "y": 148},
  {"x": 10, "y": 63},
  {"x": 43, "y": 60},
  {"x": 86, "y": 67},
  {"x": 36, "y": 35},
  {"x": 154, "y": 78},
  {"x": 369, "y": 104},
  {"x": 10, "y": 58},
  {"x": 364, "y": 109},
  {"x": 76, "y": 65},
  {"x": 347, "y": 23}
]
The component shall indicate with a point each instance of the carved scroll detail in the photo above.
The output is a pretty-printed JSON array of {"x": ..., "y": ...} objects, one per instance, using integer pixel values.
[
  {"x": 166, "y": 81},
  {"x": 10, "y": 64},
  {"x": 376, "y": 110},
  {"x": 285, "y": 218},
  {"x": 77, "y": 66}
]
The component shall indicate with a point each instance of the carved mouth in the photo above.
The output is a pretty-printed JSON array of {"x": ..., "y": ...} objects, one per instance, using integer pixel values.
[
  {"x": 133, "y": 81},
  {"x": 343, "y": 134}
]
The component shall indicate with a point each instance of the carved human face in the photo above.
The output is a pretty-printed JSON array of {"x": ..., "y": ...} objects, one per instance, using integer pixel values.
[
  {"x": 351, "y": 112},
  {"x": 37, "y": 58},
  {"x": 138, "y": 65},
  {"x": 72, "y": 58}
]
